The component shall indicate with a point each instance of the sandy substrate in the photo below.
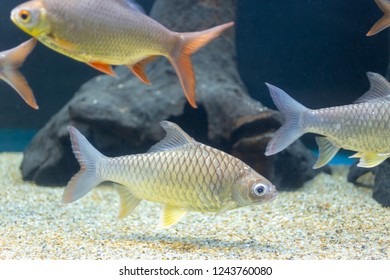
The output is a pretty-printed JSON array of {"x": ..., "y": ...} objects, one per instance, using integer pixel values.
[{"x": 326, "y": 219}]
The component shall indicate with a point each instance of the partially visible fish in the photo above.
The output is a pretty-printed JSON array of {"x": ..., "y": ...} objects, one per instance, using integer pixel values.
[
  {"x": 363, "y": 127},
  {"x": 178, "y": 172},
  {"x": 102, "y": 33},
  {"x": 10, "y": 61},
  {"x": 384, "y": 21}
]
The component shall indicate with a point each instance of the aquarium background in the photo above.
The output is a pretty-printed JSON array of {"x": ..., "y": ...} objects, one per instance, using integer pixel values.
[{"x": 316, "y": 51}]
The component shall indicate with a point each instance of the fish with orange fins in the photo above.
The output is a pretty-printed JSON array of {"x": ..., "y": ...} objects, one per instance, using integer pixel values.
[
  {"x": 10, "y": 61},
  {"x": 178, "y": 172},
  {"x": 102, "y": 33},
  {"x": 363, "y": 127},
  {"x": 384, "y": 21}
]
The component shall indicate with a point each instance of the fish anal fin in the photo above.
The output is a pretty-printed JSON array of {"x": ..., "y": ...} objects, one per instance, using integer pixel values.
[
  {"x": 369, "y": 159},
  {"x": 180, "y": 58},
  {"x": 127, "y": 200},
  {"x": 327, "y": 150},
  {"x": 170, "y": 215},
  {"x": 175, "y": 137},
  {"x": 103, "y": 67},
  {"x": 138, "y": 69}
]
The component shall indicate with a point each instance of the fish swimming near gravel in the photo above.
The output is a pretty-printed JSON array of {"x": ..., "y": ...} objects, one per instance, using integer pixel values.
[
  {"x": 363, "y": 127},
  {"x": 102, "y": 33},
  {"x": 384, "y": 21},
  {"x": 10, "y": 61},
  {"x": 178, "y": 172}
]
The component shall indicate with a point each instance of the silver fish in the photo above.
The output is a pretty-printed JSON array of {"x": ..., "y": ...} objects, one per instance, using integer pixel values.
[
  {"x": 363, "y": 127},
  {"x": 178, "y": 172}
]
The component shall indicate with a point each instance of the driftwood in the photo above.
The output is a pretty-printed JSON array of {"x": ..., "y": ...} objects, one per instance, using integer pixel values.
[{"x": 121, "y": 115}]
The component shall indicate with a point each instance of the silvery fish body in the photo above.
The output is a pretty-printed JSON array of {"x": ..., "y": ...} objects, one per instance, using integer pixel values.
[
  {"x": 363, "y": 127},
  {"x": 178, "y": 172},
  {"x": 102, "y": 33}
]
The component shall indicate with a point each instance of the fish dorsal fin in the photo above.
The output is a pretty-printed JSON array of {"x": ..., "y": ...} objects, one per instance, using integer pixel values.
[
  {"x": 175, "y": 137},
  {"x": 379, "y": 89},
  {"x": 132, "y": 4},
  {"x": 170, "y": 215},
  {"x": 128, "y": 201},
  {"x": 327, "y": 150}
]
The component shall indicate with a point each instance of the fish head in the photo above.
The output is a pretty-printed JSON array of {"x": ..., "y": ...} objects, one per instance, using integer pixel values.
[
  {"x": 31, "y": 17},
  {"x": 252, "y": 188}
]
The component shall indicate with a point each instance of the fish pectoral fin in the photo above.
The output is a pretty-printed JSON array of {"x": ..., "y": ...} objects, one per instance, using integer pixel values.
[
  {"x": 128, "y": 201},
  {"x": 227, "y": 207},
  {"x": 369, "y": 159},
  {"x": 138, "y": 69},
  {"x": 105, "y": 68},
  {"x": 327, "y": 150},
  {"x": 170, "y": 215}
]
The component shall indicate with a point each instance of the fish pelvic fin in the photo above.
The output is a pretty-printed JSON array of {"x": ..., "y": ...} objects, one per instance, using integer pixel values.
[
  {"x": 291, "y": 130},
  {"x": 327, "y": 150},
  {"x": 88, "y": 157},
  {"x": 128, "y": 201},
  {"x": 384, "y": 21},
  {"x": 102, "y": 67},
  {"x": 170, "y": 215},
  {"x": 13, "y": 59},
  {"x": 180, "y": 58}
]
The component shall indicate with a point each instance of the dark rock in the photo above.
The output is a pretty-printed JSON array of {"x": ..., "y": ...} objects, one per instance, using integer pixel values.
[
  {"x": 294, "y": 166},
  {"x": 381, "y": 186},
  {"x": 121, "y": 115}
]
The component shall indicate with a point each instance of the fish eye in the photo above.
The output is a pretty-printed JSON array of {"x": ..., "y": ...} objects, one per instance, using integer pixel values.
[
  {"x": 25, "y": 15},
  {"x": 259, "y": 189}
]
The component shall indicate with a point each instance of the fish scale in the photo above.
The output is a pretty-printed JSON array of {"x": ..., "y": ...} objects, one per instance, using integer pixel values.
[
  {"x": 363, "y": 127},
  {"x": 178, "y": 172},
  {"x": 108, "y": 24},
  {"x": 103, "y": 33}
]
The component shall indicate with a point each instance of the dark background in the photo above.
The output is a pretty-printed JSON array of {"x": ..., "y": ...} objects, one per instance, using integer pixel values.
[{"x": 315, "y": 50}]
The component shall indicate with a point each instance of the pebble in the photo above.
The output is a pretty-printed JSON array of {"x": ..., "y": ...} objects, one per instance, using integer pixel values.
[{"x": 328, "y": 218}]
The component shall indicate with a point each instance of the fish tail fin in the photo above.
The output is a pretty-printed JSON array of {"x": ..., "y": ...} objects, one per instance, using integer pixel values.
[
  {"x": 88, "y": 157},
  {"x": 291, "y": 130},
  {"x": 13, "y": 59},
  {"x": 189, "y": 43},
  {"x": 384, "y": 21}
]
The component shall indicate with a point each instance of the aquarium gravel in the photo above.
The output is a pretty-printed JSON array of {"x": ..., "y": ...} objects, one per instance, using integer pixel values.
[{"x": 328, "y": 218}]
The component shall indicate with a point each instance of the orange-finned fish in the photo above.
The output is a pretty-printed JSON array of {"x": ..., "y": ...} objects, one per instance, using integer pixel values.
[
  {"x": 102, "y": 33},
  {"x": 384, "y": 21},
  {"x": 10, "y": 61},
  {"x": 178, "y": 172},
  {"x": 363, "y": 127}
]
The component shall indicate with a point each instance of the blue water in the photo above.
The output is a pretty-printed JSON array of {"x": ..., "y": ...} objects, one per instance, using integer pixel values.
[{"x": 15, "y": 140}]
